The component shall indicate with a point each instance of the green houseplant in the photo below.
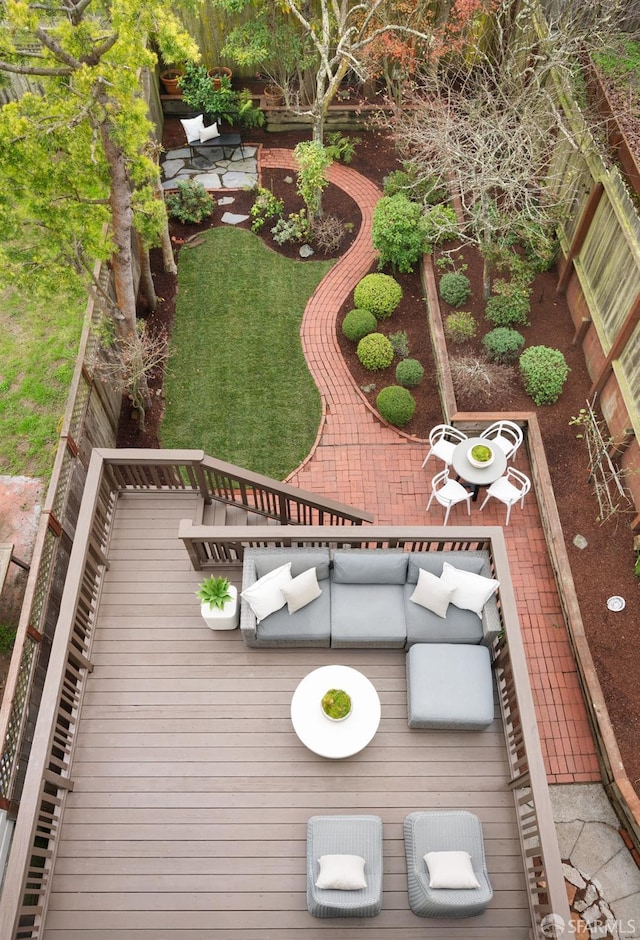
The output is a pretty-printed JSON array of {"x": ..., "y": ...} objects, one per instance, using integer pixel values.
[
  {"x": 219, "y": 104},
  {"x": 219, "y": 603},
  {"x": 336, "y": 704}
]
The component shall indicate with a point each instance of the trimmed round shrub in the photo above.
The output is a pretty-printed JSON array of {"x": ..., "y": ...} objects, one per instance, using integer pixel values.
[
  {"x": 409, "y": 373},
  {"x": 191, "y": 203},
  {"x": 358, "y": 323},
  {"x": 460, "y": 326},
  {"x": 379, "y": 293},
  {"x": 375, "y": 352},
  {"x": 503, "y": 344},
  {"x": 440, "y": 225},
  {"x": 511, "y": 306},
  {"x": 544, "y": 372},
  {"x": 396, "y": 405},
  {"x": 455, "y": 288}
]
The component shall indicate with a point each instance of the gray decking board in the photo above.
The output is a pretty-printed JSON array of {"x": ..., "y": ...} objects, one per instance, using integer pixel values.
[{"x": 192, "y": 792}]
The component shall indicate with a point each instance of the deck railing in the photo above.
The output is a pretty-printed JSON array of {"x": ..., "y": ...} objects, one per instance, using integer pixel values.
[
  {"x": 136, "y": 470},
  {"x": 29, "y": 870}
]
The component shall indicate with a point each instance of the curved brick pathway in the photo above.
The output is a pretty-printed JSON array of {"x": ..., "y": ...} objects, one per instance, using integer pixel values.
[{"x": 359, "y": 461}]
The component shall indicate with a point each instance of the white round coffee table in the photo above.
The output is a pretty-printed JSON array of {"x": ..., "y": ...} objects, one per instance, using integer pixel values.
[{"x": 335, "y": 739}]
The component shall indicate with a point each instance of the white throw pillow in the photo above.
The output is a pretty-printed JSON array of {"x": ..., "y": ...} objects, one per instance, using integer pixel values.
[
  {"x": 208, "y": 133},
  {"x": 431, "y": 593},
  {"x": 265, "y": 596},
  {"x": 472, "y": 591},
  {"x": 193, "y": 128},
  {"x": 451, "y": 870},
  {"x": 341, "y": 873},
  {"x": 302, "y": 590}
]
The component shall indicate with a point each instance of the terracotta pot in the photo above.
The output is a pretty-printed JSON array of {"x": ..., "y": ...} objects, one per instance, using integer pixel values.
[
  {"x": 273, "y": 96},
  {"x": 217, "y": 73},
  {"x": 169, "y": 79}
]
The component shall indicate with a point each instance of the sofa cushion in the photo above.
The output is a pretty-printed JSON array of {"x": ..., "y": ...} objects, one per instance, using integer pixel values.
[
  {"x": 434, "y": 563},
  {"x": 423, "y": 626},
  {"x": 449, "y": 687},
  {"x": 341, "y": 873},
  {"x": 432, "y": 593},
  {"x": 369, "y": 567},
  {"x": 301, "y": 560},
  {"x": 265, "y": 595},
  {"x": 309, "y": 626},
  {"x": 472, "y": 591},
  {"x": 301, "y": 590},
  {"x": 367, "y": 615},
  {"x": 451, "y": 871}
]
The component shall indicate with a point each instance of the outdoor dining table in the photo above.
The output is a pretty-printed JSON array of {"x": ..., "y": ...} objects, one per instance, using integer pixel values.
[{"x": 474, "y": 476}]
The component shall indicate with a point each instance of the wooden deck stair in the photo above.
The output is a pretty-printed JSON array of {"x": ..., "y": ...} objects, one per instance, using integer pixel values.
[{"x": 219, "y": 513}]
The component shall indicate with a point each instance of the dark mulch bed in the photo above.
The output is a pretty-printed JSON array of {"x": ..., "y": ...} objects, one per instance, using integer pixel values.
[{"x": 605, "y": 567}]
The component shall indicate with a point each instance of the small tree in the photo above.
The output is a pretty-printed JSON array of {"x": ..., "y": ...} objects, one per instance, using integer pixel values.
[
  {"x": 313, "y": 161},
  {"x": 398, "y": 232}
]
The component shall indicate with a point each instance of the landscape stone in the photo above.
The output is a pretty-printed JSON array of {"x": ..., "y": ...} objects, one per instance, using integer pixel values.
[
  {"x": 580, "y": 541},
  {"x": 585, "y": 801},
  {"x": 171, "y": 167},
  {"x": 306, "y": 251},
  {"x": 226, "y": 200},
  {"x": 573, "y": 876},
  {"x": 567, "y": 834},
  {"x": 230, "y": 218},
  {"x": 596, "y": 844},
  {"x": 618, "y": 878},
  {"x": 238, "y": 180},
  {"x": 209, "y": 180}
]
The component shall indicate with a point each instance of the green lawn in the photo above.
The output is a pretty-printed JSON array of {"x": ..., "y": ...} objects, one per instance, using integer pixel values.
[
  {"x": 237, "y": 384},
  {"x": 38, "y": 348}
]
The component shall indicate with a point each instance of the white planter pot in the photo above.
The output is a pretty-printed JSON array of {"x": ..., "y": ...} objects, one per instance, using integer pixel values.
[
  {"x": 480, "y": 463},
  {"x": 226, "y": 619}
]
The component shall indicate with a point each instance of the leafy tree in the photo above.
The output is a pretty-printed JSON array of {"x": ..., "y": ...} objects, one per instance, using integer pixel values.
[
  {"x": 80, "y": 173},
  {"x": 338, "y": 35},
  {"x": 312, "y": 160}
]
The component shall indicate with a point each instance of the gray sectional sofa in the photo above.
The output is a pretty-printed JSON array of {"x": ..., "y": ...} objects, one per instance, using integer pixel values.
[{"x": 365, "y": 600}]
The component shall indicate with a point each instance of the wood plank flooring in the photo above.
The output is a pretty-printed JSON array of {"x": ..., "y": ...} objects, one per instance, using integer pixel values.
[{"x": 192, "y": 792}]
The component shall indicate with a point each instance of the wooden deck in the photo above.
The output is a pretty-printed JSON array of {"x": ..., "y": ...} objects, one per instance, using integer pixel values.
[{"x": 191, "y": 790}]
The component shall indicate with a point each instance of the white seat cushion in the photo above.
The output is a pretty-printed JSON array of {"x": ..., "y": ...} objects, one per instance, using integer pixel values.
[{"x": 193, "y": 127}]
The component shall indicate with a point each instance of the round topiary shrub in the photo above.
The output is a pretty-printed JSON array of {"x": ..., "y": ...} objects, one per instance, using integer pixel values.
[
  {"x": 503, "y": 344},
  {"x": 455, "y": 288},
  {"x": 544, "y": 372},
  {"x": 379, "y": 293},
  {"x": 396, "y": 405},
  {"x": 409, "y": 372},
  {"x": 358, "y": 323},
  {"x": 375, "y": 352},
  {"x": 460, "y": 326}
]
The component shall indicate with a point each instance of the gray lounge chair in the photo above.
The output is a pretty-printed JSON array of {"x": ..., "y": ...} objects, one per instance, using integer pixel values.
[
  {"x": 345, "y": 835},
  {"x": 448, "y": 831}
]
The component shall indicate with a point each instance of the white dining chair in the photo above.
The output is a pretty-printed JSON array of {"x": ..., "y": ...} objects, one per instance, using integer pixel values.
[
  {"x": 506, "y": 434},
  {"x": 509, "y": 489},
  {"x": 448, "y": 492},
  {"x": 443, "y": 439}
]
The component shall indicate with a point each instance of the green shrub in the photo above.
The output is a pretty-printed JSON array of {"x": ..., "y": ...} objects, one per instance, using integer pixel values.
[
  {"x": 379, "y": 293},
  {"x": 396, "y": 405},
  {"x": 460, "y": 326},
  {"x": 400, "y": 343},
  {"x": 503, "y": 344},
  {"x": 265, "y": 206},
  {"x": 455, "y": 288},
  {"x": 427, "y": 190},
  {"x": 375, "y": 352},
  {"x": 440, "y": 225},
  {"x": 510, "y": 304},
  {"x": 544, "y": 372},
  {"x": 7, "y": 638},
  {"x": 191, "y": 203},
  {"x": 409, "y": 372},
  {"x": 342, "y": 147},
  {"x": 398, "y": 232},
  {"x": 358, "y": 323},
  {"x": 540, "y": 246},
  {"x": 295, "y": 228}
]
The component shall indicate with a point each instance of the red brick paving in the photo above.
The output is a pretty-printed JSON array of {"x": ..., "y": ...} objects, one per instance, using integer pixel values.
[{"x": 358, "y": 460}]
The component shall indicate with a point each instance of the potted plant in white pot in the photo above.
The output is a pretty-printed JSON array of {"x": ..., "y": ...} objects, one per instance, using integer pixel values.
[{"x": 218, "y": 603}]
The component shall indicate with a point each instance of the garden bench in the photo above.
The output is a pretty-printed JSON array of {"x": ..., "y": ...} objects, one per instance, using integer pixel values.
[{"x": 223, "y": 140}]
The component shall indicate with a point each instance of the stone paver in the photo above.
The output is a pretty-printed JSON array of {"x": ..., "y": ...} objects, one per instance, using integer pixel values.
[{"x": 357, "y": 460}]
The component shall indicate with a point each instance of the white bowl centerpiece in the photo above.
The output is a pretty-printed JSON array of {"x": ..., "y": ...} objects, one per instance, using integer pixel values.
[
  {"x": 336, "y": 704},
  {"x": 481, "y": 455}
]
